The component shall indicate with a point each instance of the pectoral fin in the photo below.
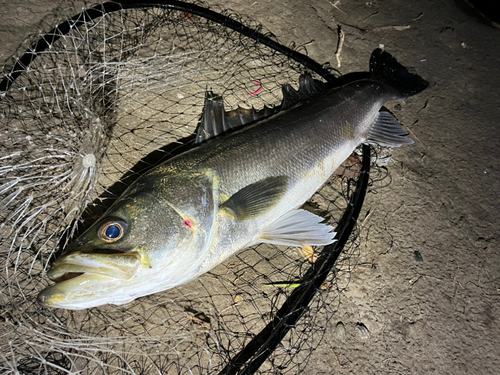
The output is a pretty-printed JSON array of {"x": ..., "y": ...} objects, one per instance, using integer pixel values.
[
  {"x": 299, "y": 228},
  {"x": 257, "y": 198}
]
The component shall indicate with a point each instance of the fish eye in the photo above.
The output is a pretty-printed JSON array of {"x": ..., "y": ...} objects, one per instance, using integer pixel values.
[{"x": 112, "y": 231}]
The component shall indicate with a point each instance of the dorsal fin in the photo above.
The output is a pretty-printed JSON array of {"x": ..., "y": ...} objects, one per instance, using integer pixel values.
[
  {"x": 215, "y": 120},
  {"x": 243, "y": 116},
  {"x": 212, "y": 121},
  {"x": 308, "y": 87}
]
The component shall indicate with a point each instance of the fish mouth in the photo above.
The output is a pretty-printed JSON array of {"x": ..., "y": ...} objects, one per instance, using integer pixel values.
[
  {"x": 83, "y": 278},
  {"x": 117, "y": 265},
  {"x": 66, "y": 276}
]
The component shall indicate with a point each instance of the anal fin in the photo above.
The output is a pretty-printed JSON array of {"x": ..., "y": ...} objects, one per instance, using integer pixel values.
[
  {"x": 387, "y": 131},
  {"x": 299, "y": 228}
]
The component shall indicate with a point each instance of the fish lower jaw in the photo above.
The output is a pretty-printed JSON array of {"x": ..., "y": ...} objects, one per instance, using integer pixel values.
[
  {"x": 80, "y": 287},
  {"x": 84, "y": 290},
  {"x": 78, "y": 291}
]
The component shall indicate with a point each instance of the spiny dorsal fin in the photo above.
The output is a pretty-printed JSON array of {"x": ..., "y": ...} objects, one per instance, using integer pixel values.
[
  {"x": 255, "y": 199},
  {"x": 243, "y": 116},
  {"x": 308, "y": 87},
  {"x": 215, "y": 120},
  {"x": 299, "y": 228},
  {"x": 212, "y": 121},
  {"x": 387, "y": 131}
]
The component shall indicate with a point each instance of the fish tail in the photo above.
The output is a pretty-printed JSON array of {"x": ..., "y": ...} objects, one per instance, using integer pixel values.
[{"x": 386, "y": 68}]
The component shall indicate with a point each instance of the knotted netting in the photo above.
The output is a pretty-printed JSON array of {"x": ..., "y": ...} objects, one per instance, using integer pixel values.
[{"x": 93, "y": 104}]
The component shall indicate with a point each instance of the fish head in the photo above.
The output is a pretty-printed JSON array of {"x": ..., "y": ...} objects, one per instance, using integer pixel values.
[{"x": 152, "y": 238}]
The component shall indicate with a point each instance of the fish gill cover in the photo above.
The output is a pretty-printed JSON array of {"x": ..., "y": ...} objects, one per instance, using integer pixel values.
[{"x": 93, "y": 104}]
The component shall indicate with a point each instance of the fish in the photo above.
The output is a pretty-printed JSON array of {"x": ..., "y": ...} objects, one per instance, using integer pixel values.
[{"x": 235, "y": 189}]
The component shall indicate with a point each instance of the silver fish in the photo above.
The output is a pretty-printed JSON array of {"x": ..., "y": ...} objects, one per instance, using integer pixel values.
[{"x": 233, "y": 191}]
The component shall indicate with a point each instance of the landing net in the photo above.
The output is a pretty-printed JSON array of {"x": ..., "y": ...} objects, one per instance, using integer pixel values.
[{"x": 93, "y": 104}]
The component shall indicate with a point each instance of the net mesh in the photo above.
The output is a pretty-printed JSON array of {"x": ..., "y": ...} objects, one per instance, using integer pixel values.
[{"x": 109, "y": 99}]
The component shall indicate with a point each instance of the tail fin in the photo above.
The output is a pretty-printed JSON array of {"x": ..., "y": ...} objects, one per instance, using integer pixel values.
[{"x": 386, "y": 68}]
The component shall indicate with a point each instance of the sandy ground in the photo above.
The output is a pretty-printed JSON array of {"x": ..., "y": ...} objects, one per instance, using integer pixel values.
[{"x": 438, "y": 314}]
